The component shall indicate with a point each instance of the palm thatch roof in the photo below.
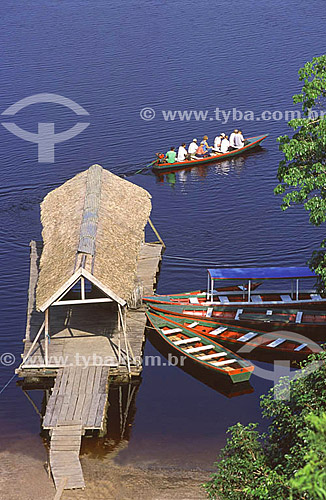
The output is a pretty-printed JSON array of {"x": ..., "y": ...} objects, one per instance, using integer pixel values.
[{"x": 93, "y": 222}]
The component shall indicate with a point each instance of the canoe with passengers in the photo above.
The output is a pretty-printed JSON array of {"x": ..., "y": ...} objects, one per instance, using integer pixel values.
[{"x": 252, "y": 142}]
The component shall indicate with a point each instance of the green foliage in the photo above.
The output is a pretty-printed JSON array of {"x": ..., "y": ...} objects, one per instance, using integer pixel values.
[
  {"x": 277, "y": 465},
  {"x": 302, "y": 172},
  {"x": 243, "y": 471},
  {"x": 312, "y": 477}
]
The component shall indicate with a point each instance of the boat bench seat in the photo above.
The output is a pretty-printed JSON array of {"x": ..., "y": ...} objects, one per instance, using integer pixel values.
[
  {"x": 211, "y": 356},
  {"x": 316, "y": 296},
  {"x": 298, "y": 317},
  {"x": 201, "y": 348},
  {"x": 300, "y": 347},
  {"x": 173, "y": 330},
  {"x": 256, "y": 299},
  {"x": 224, "y": 299},
  {"x": 186, "y": 341},
  {"x": 247, "y": 336},
  {"x": 218, "y": 330},
  {"x": 286, "y": 298},
  {"x": 238, "y": 314},
  {"x": 209, "y": 312},
  {"x": 193, "y": 300},
  {"x": 191, "y": 325},
  {"x": 276, "y": 342},
  {"x": 225, "y": 362}
]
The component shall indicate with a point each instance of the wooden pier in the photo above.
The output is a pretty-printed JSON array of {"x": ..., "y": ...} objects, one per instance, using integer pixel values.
[{"x": 85, "y": 318}]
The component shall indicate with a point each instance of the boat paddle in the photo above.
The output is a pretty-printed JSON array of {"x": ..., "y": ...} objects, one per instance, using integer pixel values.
[{"x": 147, "y": 166}]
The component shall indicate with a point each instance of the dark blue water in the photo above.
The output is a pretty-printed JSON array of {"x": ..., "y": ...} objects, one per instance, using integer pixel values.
[{"x": 115, "y": 58}]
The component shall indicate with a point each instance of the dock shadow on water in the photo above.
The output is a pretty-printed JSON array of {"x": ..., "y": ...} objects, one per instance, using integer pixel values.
[
  {"x": 119, "y": 421},
  {"x": 119, "y": 416}
]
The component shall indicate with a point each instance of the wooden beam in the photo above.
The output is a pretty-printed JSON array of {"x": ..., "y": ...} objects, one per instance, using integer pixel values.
[
  {"x": 55, "y": 367},
  {"x": 46, "y": 339},
  {"x": 125, "y": 338},
  {"x": 82, "y": 288},
  {"x": 33, "y": 344},
  {"x": 81, "y": 301},
  {"x": 156, "y": 233},
  {"x": 102, "y": 287},
  {"x": 71, "y": 281}
]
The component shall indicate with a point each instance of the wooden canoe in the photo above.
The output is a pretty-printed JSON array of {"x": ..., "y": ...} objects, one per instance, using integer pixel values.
[
  {"x": 236, "y": 298},
  {"x": 312, "y": 322},
  {"x": 199, "y": 349},
  {"x": 196, "y": 296},
  {"x": 278, "y": 345},
  {"x": 253, "y": 142}
]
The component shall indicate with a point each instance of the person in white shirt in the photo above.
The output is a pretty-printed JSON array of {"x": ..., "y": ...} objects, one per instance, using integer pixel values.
[
  {"x": 238, "y": 140},
  {"x": 232, "y": 137},
  {"x": 217, "y": 142},
  {"x": 182, "y": 153},
  {"x": 225, "y": 144},
  {"x": 193, "y": 147}
]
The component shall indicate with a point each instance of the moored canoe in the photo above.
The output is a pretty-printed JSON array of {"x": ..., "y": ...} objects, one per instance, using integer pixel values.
[
  {"x": 199, "y": 349},
  {"x": 313, "y": 322},
  {"x": 250, "y": 342}
]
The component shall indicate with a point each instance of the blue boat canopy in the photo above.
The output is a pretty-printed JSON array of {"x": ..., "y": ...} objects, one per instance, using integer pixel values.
[{"x": 260, "y": 273}]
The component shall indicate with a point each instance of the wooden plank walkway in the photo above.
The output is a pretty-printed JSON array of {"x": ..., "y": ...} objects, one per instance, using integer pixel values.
[
  {"x": 78, "y": 402},
  {"x": 64, "y": 455},
  {"x": 79, "y": 394}
]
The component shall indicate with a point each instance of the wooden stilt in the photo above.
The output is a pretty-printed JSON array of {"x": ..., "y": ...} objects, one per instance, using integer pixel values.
[
  {"x": 125, "y": 338},
  {"x": 82, "y": 288},
  {"x": 33, "y": 344},
  {"x": 46, "y": 340},
  {"x": 156, "y": 233}
]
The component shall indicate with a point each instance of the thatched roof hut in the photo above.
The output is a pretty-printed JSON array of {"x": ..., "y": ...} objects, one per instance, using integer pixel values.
[{"x": 93, "y": 226}]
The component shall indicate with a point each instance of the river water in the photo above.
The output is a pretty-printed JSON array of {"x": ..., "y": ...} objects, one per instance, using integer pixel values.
[{"x": 114, "y": 59}]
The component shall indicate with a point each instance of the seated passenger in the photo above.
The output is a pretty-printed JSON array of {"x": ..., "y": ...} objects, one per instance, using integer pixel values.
[
  {"x": 193, "y": 147},
  {"x": 238, "y": 140},
  {"x": 225, "y": 144},
  {"x": 217, "y": 142},
  {"x": 170, "y": 155},
  {"x": 207, "y": 148},
  {"x": 182, "y": 153},
  {"x": 201, "y": 153},
  {"x": 232, "y": 137}
]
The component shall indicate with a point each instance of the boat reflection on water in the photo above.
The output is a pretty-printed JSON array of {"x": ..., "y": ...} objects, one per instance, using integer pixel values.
[
  {"x": 221, "y": 168},
  {"x": 225, "y": 167},
  {"x": 214, "y": 381}
]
